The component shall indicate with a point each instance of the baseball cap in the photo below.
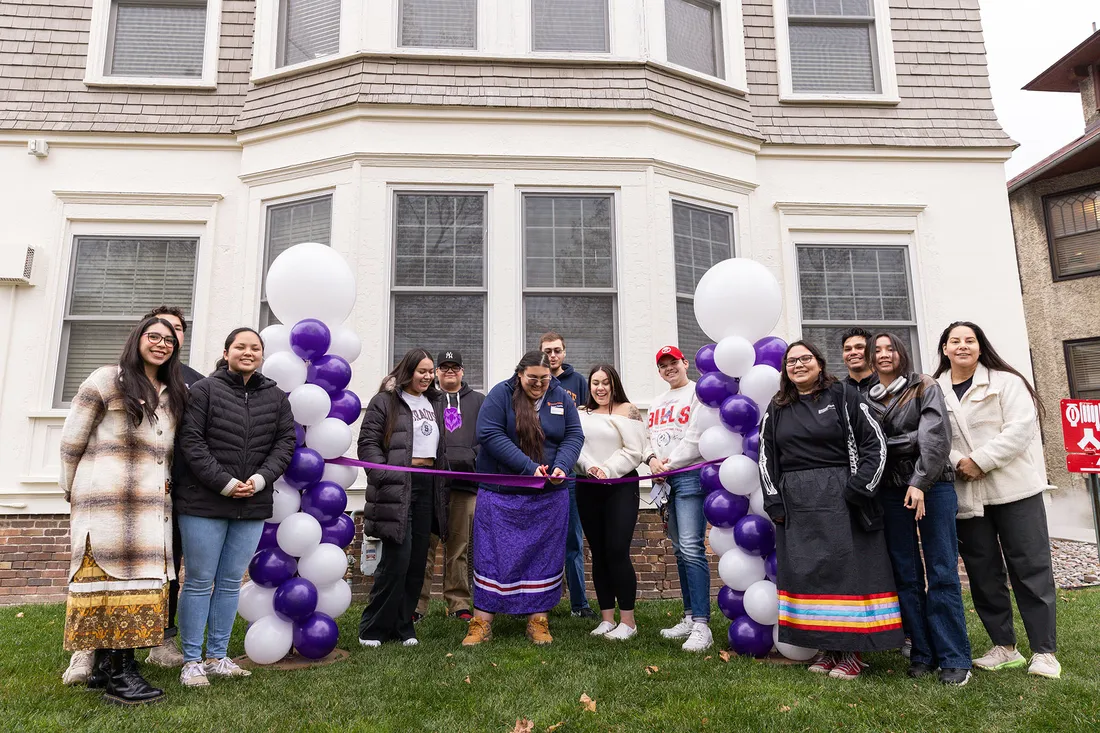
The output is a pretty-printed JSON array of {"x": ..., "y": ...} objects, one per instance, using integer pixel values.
[
  {"x": 669, "y": 351},
  {"x": 449, "y": 356}
]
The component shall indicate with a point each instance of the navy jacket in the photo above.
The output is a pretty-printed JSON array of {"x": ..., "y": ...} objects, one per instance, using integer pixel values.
[
  {"x": 500, "y": 451},
  {"x": 574, "y": 384}
]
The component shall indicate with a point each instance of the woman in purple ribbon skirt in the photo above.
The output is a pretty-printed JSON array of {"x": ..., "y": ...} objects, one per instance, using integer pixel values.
[{"x": 527, "y": 426}]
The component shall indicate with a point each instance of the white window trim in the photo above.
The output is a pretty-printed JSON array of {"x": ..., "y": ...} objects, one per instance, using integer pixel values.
[
  {"x": 887, "y": 71},
  {"x": 265, "y": 39},
  {"x": 97, "y": 53},
  {"x": 524, "y": 28},
  {"x": 733, "y": 44}
]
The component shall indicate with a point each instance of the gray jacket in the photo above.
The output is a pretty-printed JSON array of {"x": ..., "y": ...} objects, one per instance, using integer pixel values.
[{"x": 918, "y": 434}]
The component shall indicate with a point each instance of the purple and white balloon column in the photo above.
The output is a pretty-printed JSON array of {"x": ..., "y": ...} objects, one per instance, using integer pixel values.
[
  {"x": 297, "y": 587},
  {"x": 737, "y": 303}
]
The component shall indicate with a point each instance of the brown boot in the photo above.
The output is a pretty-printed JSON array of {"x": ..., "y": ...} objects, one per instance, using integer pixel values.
[
  {"x": 538, "y": 631},
  {"x": 478, "y": 631}
]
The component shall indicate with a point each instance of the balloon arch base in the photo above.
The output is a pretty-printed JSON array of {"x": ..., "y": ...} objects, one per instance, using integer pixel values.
[{"x": 295, "y": 661}]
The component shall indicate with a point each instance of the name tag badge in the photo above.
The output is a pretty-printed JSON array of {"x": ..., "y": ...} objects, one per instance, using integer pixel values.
[{"x": 557, "y": 410}]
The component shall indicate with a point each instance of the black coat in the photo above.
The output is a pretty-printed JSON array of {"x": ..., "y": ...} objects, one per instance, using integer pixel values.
[
  {"x": 389, "y": 493},
  {"x": 232, "y": 430},
  {"x": 462, "y": 445}
]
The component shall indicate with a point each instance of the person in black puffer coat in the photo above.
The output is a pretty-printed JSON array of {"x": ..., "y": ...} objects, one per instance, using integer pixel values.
[{"x": 237, "y": 439}]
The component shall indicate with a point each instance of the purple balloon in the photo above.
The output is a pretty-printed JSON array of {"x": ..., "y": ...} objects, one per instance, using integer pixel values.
[
  {"x": 771, "y": 566},
  {"x": 267, "y": 537},
  {"x": 339, "y": 532},
  {"x": 271, "y": 567},
  {"x": 739, "y": 413},
  {"x": 749, "y": 638},
  {"x": 295, "y": 599},
  {"x": 770, "y": 351},
  {"x": 309, "y": 338},
  {"x": 731, "y": 602},
  {"x": 306, "y": 467},
  {"x": 755, "y": 535},
  {"x": 299, "y": 435},
  {"x": 332, "y": 373},
  {"x": 723, "y": 509},
  {"x": 750, "y": 446},
  {"x": 714, "y": 388},
  {"x": 316, "y": 636},
  {"x": 708, "y": 477},
  {"x": 324, "y": 501},
  {"x": 704, "y": 359},
  {"x": 345, "y": 406}
]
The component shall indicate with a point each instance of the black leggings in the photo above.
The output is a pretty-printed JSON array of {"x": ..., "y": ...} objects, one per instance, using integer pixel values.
[{"x": 609, "y": 514}]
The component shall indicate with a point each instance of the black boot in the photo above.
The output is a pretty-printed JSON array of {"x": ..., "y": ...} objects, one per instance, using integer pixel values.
[
  {"x": 97, "y": 678},
  {"x": 125, "y": 685}
]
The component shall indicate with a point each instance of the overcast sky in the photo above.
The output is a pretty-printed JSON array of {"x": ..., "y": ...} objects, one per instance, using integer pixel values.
[{"x": 1022, "y": 38}]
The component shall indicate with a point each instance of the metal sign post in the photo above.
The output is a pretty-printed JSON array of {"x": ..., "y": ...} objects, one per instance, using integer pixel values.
[{"x": 1081, "y": 438}]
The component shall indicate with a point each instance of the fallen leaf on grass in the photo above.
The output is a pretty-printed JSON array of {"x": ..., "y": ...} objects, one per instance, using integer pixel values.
[
  {"x": 704, "y": 721},
  {"x": 589, "y": 703},
  {"x": 851, "y": 704},
  {"x": 707, "y": 657},
  {"x": 724, "y": 655},
  {"x": 467, "y": 680},
  {"x": 523, "y": 725},
  {"x": 493, "y": 663},
  {"x": 19, "y": 615},
  {"x": 652, "y": 668},
  {"x": 555, "y": 726},
  {"x": 784, "y": 708}
]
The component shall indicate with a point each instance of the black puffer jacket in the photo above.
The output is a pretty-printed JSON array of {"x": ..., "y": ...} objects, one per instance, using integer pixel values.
[
  {"x": 389, "y": 493},
  {"x": 232, "y": 430}
]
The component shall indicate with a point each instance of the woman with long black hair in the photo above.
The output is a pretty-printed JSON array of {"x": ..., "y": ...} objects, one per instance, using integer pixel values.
[{"x": 402, "y": 426}]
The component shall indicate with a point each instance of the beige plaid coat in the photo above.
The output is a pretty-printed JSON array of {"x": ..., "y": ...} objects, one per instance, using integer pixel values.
[{"x": 114, "y": 475}]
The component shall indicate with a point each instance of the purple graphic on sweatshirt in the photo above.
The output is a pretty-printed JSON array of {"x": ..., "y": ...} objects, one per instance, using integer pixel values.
[{"x": 452, "y": 419}]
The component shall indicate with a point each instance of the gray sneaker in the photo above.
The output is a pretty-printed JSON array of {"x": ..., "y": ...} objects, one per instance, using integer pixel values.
[{"x": 166, "y": 655}]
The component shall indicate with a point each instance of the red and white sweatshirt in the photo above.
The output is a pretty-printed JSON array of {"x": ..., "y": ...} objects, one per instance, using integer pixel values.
[{"x": 671, "y": 430}]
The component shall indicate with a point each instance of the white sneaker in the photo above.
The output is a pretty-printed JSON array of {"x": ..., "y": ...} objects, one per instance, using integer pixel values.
[
  {"x": 622, "y": 632},
  {"x": 224, "y": 667},
  {"x": 370, "y": 643},
  {"x": 603, "y": 628},
  {"x": 699, "y": 639},
  {"x": 193, "y": 674},
  {"x": 1000, "y": 657},
  {"x": 166, "y": 655},
  {"x": 1045, "y": 665},
  {"x": 410, "y": 642},
  {"x": 80, "y": 666},
  {"x": 681, "y": 630}
]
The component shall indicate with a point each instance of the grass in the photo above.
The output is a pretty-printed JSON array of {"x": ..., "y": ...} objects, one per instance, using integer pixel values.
[{"x": 426, "y": 689}]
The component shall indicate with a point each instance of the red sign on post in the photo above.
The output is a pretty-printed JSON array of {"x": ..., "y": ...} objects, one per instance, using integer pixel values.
[
  {"x": 1083, "y": 463},
  {"x": 1081, "y": 435}
]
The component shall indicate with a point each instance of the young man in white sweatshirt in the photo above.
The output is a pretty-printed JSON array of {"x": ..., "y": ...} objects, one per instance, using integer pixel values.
[{"x": 673, "y": 442}]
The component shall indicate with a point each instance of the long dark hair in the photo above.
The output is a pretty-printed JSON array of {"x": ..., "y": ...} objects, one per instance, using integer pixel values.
[
  {"x": 618, "y": 394},
  {"x": 788, "y": 392},
  {"x": 223, "y": 363},
  {"x": 398, "y": 379},
  {"x": 138, "y": 395},
  {"x": 987, "y": 357},
  {"x": 528, "y": 428},
  {"x": 905, "y": 363}
]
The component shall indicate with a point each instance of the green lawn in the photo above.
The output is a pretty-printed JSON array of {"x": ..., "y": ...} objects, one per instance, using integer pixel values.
[{"x": 426, "y": 689}]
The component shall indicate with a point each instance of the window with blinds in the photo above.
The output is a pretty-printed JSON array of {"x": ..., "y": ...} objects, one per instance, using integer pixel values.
[
  {"x": 833, "y": 46},
  {"x": 438, "y": 23},
  {"x": 569, "y": 275},
  {"x": 701, "y": 238},
  {"x": 693, "y": 35},
  {"x": 1073, "y": 230},
  {"x": 1083, "y": 367},
  {"x": 148, "y": 38},
  {"x": 570, "y": 25},
  {"x": 112, "y": 283},
  {"x": 439, "y": 277},
  {"x": 308, "y": 220},
  {"x": 308, "y": 29}
]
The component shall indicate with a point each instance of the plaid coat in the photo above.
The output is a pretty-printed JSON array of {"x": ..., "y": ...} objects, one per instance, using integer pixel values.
[{"x": 114, "y": 475}]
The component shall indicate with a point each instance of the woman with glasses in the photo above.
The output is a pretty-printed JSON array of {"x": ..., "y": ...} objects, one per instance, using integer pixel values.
[
  {"x": 822, "y": 457},
  {"x": 116, "y": 457},
  {"x": 527, "y": 426}
]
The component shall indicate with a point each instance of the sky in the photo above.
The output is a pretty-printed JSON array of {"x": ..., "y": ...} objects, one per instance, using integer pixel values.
[{"x": 1022, "y": 39}]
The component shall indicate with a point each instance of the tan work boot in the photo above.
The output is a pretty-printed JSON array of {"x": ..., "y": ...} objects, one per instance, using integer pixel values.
[
  {"x": 478, "y": 631},
  {"x": 538, "y": 631}
]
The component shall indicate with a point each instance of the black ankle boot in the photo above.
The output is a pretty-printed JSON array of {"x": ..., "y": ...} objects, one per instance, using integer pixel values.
[
  {"x": 97, "y": 678},
  {"x": 125, "y": 685}
]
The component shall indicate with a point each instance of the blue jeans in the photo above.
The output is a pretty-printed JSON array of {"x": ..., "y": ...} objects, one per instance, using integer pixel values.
[
  {"x": 934, "y": 617},
  {"x": 574, "y": 554},
  {"x": 216, "y": 553},
  {"x": 687, "y": 528}
]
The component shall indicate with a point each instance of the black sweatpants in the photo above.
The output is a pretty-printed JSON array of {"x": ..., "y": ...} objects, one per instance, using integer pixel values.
[
  {"x": 609, "y": 514},
  {"x": 1013, "y": 535}
]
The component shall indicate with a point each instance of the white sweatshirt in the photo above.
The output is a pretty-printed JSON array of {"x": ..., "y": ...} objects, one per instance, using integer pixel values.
[
  {"x": 672, "y": 433},
  {"x": 613, "y": 443}
]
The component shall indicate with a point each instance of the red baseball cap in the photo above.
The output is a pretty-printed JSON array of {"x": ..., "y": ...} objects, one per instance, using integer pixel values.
[{"x": 669, "y": 351}]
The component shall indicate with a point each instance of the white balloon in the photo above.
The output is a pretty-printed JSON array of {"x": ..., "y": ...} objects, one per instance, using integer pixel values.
[
  {"x": 334, "y": 599},
  {"x": 719, "y": 442},
  {"x": 737, "y": 297},
  {"x": 310, "y": 280},
  {"x": 705, "y": 417},
  {"x": 285, "y": 501},
  {"x": 343, "y": 475},
  {"x": 310, "y": 404},
  {"x": 298, "y": 534},
  {"x": 734, "y": 356},
  {"x": 288, "y": 371},
  {"x": 331, "y": 437},
  {"x": 760, "y": 384},
  {"x": 790, "y": 651},
  {"x": 739, "y": 475},
  {"x": 345, "y": 343},
  {"x": 762, "y": 602},
  {"x": 268, "y": 640},
  {"x": 255, "y": 602},
  {"x": 276, "y": 338},
  {"x": 756, "y": 504},
  {"x": 327, "y": 563},
  {"x": 721, "y": 540},
  {"x": 736, "y": 568}
]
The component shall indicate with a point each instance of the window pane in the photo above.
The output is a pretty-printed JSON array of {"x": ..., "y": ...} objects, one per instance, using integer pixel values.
[
  {"x": 157, "y": 39},
  {"x": 701, "y": 238},
  {"x": 91, "y": 345},
  {"x": 827, "y": 338},
  {"x": 439, "y": 23},
  {"x": 290, "y": 224},
  {"x": 586, "y": 322},
  {"x": 1073, "y": 222},
  {"x": 440, "y": 240},
  {"x": 569, "y": 25},
  {"x": 834, "y": 57},
  {"x": 310, "y": 29},
  {"x": 127, "y": 277},
  {"x": 568, "y": 242},
  {"x": 689, "y": 337},
  {"x": 854, "y": 284},
  {"x": 437, "y": 322},
  {"x": 692, "y": 33},
  {"x": 830, "y": 7},
  {"x": 1084, "y": 370}
]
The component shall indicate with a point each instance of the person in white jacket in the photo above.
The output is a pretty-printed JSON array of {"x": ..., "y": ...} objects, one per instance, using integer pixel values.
[{"x": 1001, "y": 520}]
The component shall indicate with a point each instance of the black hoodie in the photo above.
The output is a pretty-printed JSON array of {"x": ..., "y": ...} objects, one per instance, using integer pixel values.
[
  {"x": 574, "y": 383},
  {"x": 462, "y": 445}
]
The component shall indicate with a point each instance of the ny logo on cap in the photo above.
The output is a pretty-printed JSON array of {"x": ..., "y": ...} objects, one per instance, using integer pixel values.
[
  {"x": 450, "y": 355},
  {"x": 666, "y": 350}
]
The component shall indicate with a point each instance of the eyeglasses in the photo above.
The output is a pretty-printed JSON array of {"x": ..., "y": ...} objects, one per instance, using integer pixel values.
[
  {"x": 450, "y": 369},
  {"x": 155, "y": 338},
  {"x": 804, "y": 359},
  {"x": 553, "y": 352},
  {"x": 536, "y": 381}
]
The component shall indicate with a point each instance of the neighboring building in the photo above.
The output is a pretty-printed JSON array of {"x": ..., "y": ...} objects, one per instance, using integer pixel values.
[
  {"x": 1055, "y": 216},
  {"x": 491, "y": 169}
]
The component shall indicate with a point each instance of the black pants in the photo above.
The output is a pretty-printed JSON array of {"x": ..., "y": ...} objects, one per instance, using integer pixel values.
[
  {"x": 400, "y": 573},
  {"x": 609, "y": 514},
  {"x": 174, "y": 585},
  {"x": 1015, "y": 535}
]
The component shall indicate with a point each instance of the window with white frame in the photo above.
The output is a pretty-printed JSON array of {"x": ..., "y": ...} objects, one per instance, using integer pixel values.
[
  {"x": 693, "y": 35},
  {"x": 701, "y": 238},
  {"x": 833, "y": 46},
  {"x": 1083, "y": 366},
  {"x": 156, "y": 38},
  {"x": 569, "y": 274},
  {"x": 113, "y": 281},
  {"x": 439, "y": 276},
  {"x": 308, "y": 29},
  {"x": 1073, "y": 228},
  {"x": 437, "y": 23},
  {"x": 570, "y": 25},
  {"x": 288, "y": 224},
  {"x": 845, "y": 286}
]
